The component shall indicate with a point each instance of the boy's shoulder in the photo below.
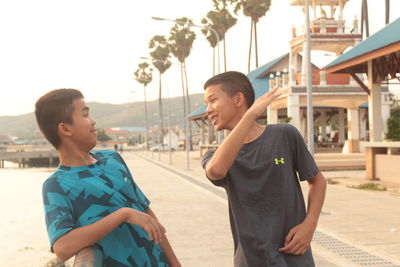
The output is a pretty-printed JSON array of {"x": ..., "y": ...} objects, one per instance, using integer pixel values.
[
  {"x": 65, "y": 172},
  {"x": 283, "y": 127},
  {"x": 104, "y": 153}
]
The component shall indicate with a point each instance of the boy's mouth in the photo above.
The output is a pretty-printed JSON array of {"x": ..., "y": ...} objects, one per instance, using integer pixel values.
[{"x": 213, "y": 118}]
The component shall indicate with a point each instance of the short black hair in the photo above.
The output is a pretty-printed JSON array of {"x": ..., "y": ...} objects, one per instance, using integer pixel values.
[
  {"x": 54, "y": 108},
  {"x": 233, "y": 82}
]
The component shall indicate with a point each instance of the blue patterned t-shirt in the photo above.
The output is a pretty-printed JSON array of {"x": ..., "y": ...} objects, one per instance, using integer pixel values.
[{"x": 77, "y": 196}]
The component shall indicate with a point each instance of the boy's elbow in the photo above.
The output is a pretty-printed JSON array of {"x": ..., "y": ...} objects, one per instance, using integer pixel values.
[
  {"x": 61, "y": 251},
  {"x": 215, "y": 173}
]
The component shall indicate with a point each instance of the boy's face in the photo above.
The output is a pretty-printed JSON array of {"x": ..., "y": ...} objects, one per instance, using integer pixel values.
[
  {"x": 221, "y": 108},
  {"x": 82, "y": 130}
]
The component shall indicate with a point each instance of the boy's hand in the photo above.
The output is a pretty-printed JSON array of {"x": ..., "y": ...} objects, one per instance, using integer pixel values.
[
  {"x": 298, "y": 239},
  {"x": 151, "y": 225},
  {"x": 260, "y": 105}
]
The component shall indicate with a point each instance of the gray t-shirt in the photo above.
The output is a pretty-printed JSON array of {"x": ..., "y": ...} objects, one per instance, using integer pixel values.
[{"x": 265, "y": 198}]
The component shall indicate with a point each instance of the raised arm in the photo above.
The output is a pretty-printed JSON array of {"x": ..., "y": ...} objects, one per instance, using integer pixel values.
[
  {"x": 69, "y": 244},
  {"x": 225, "y": 155}
]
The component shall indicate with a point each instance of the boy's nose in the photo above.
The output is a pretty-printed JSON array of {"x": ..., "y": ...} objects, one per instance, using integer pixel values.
[{"x": 209, "y": 109}]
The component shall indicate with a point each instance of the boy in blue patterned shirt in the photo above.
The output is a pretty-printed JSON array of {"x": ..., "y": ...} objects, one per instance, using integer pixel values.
[{"x": 92, "y": 198}]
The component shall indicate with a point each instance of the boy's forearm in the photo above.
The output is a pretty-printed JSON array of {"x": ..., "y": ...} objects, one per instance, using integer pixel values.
[
  {"x": 169, "y": 253},
  {"x": 316, "y": 197},
  {"x": 225, "y": 155},
  {"x": 166, "y": 246},
  {"x": 69, "y": 244}
]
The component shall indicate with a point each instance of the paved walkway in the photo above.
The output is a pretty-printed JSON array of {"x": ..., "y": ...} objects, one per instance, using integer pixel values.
[{"x": 356, "y": 228}]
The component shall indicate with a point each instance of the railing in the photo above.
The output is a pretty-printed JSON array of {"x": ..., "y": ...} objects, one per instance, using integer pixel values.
[
  {"x": 89, "y": 257},
  {"x": 327, "y": 25}
]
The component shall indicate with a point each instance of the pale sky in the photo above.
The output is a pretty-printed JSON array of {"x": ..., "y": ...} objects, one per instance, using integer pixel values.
[{"x": 95, "y": 45}]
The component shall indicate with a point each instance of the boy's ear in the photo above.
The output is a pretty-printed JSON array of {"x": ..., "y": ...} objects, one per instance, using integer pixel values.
[
  {"x": 239, "y": 99},
  {"x": 63, "y": 129}
]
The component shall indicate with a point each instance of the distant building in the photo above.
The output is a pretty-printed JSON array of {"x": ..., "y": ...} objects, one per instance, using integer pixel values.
[
  {"x": 6, "y": 140},
  {"x": 171, "y": 138}
]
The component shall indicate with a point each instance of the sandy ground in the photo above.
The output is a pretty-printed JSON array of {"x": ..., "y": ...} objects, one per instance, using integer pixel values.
[{"x": 23, "y": 232}]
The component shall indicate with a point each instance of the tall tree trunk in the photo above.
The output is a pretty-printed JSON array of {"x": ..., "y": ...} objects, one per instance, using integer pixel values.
[
  {"x": 147, "y": 120},
  {"x": 251, "y": 43},
  {"x": 387, "y": 11},
  {"x": 188, "y": 107},
  {"x": 224, "y": 55},
  {"x": 365, "y": 16},
  {"x": 255, "y": 42},
  {"x": 213, "y": 61},
  {"x": 362, "y": 19},
  {"x": 184, "y": 104},
  {"x": 160, "y": 111}
]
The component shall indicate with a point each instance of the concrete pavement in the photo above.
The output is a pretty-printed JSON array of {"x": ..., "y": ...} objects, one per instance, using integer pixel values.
[{"x": 356, "y": 227}]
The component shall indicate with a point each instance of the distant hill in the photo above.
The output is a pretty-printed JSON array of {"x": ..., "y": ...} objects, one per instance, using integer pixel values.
[{"x": 109, "y": 115}]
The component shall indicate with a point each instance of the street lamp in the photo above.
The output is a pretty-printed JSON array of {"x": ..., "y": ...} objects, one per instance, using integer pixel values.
[
  {"x": 146, "y": 116},
  {"x": 195, "y": 25},
  {"x": 310, "y": 111},
  {"x": 218, "y": 40},
  {"x": 168, "y": 116},
  {"x": 185, "y": 123}
]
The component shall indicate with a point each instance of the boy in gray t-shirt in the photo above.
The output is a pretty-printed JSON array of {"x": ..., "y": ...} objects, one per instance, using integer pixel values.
[{"x": 260, "y": 168}]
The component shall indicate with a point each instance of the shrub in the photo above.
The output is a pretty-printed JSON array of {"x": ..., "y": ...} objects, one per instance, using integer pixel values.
[{"x": 393, "y": 128}]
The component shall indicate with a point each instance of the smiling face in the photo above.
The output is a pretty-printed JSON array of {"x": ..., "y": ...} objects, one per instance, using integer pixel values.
[
  {"x": 81, "y": 132},
  {"x": 224, "y": 111}
]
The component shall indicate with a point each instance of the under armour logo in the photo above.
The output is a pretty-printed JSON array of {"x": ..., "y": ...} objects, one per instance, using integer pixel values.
[{"x": 281, "y": 161}]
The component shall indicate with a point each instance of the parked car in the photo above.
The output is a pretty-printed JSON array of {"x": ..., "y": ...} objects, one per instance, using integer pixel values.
[{"x": 161, "y": 147}]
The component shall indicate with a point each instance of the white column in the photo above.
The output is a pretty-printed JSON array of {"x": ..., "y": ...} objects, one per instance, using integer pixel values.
[
  {"x": 211, "y": 132},
  {"x": 303, "y": 123},
  {"x": 202, "y": 131},
  {"x": 314, "y": 10},
  {"x": 294, "y": 67},
  {"x": 293, "y": 109},
  {"x": 363, "y": 124},
  {"x": 374, "y": 107},
  {"x": 385, "y": 113},
  {"x": 353, "y": 130},
  {"x": 272, "y": 115},
  {"x": 292, "y": 77},
  {"x": 323, "y": 124},
  {"x": 322, "y": 77},
  {"x": 304, "y": 66},
  {"x": 341, "y": 125}
]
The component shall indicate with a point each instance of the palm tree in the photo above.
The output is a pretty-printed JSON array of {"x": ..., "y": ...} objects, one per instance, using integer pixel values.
[
  {"x": 210, "y": 20},
  {"x": 180, "y": 44},
  {"x": 255, "y": 9},
  {"x": 223, "y": 20},
  {"x": 364, "y": 18},
  {"x": 387, "y": 11},
  {"x": 160, "y": 55},
  {"x": 143, "y": 75}
]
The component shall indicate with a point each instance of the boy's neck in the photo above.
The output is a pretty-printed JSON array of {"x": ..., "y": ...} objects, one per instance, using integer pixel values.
[
  {"x": 74, "y": 157},
  {"x": 254, "y": 132}
]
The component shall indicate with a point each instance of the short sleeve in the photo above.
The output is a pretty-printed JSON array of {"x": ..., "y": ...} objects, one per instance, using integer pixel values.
[
  {"x": 57, "y": 208},
  {"x": 204, "y": 161},
  {"x": 304, "y": 162}
]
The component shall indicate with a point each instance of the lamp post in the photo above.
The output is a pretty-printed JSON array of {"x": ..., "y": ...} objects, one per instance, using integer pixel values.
[
  {"x": 218, "y": 40},
  {"x": 168, "y": 112},
  {"x": 195, "y": 25},
  {"x": 146, "y": 115},
  {"x": 310, "y": 111}
]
